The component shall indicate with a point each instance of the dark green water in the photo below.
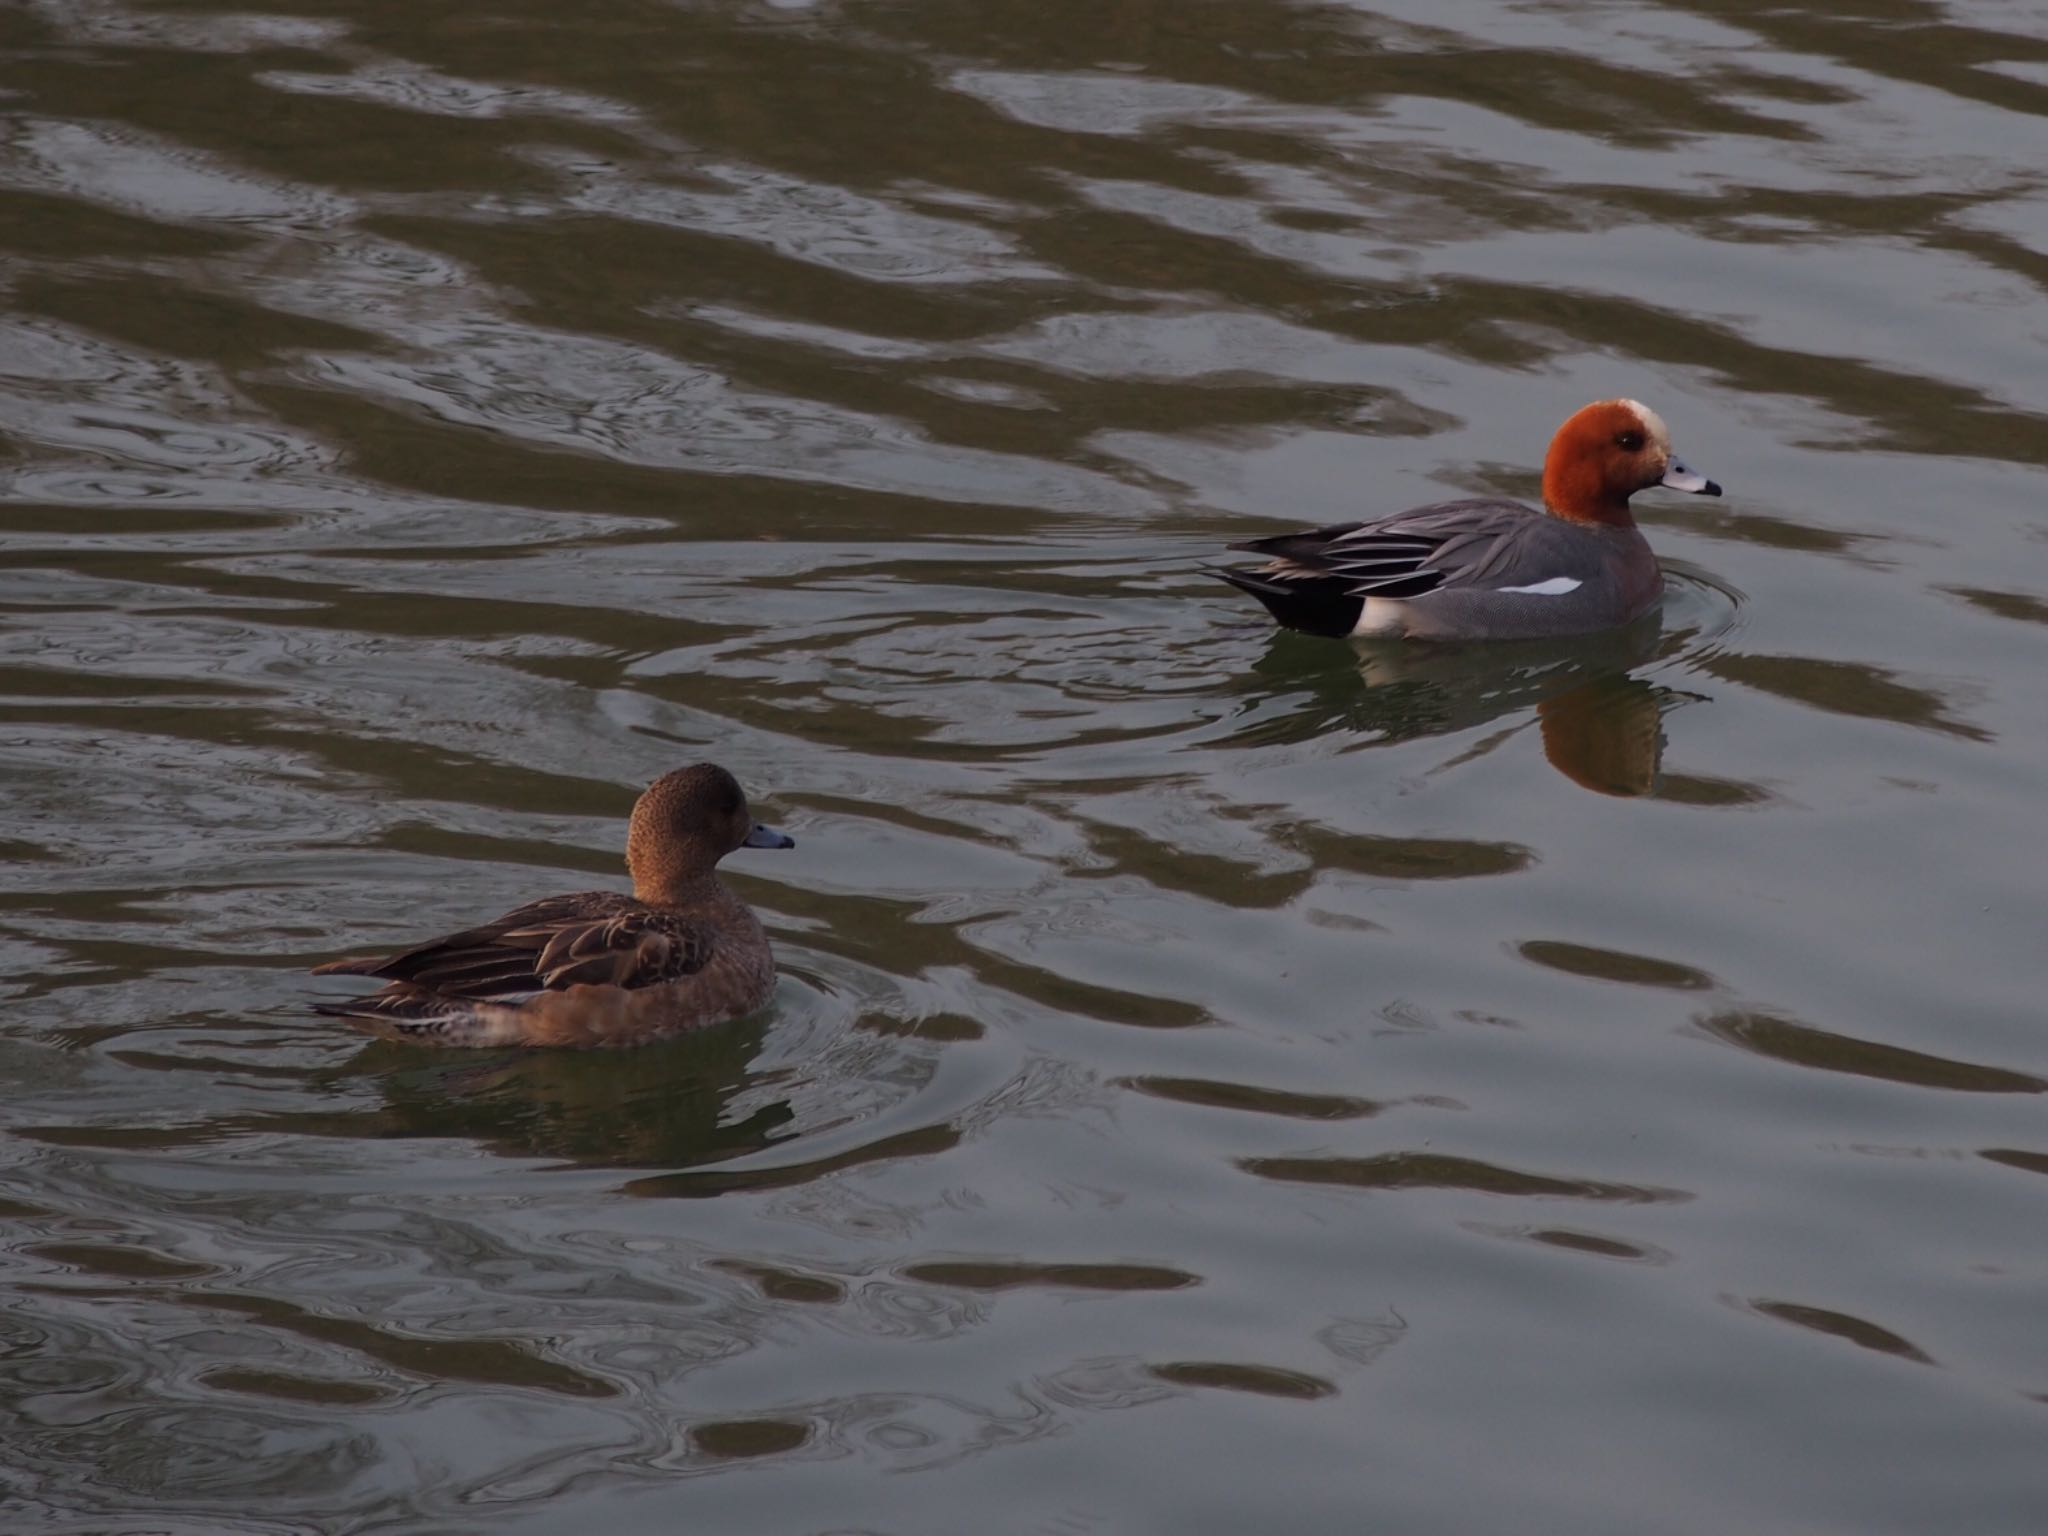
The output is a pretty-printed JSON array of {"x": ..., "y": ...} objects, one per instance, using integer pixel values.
[{"x": 1219, "y": 1082}]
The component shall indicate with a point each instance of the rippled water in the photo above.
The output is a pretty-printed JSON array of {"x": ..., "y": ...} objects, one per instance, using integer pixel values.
[{"x": 1219, "y": 1080}]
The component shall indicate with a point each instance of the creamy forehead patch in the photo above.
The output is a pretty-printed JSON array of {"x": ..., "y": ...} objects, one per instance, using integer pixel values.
[{"x": 1653, "y": 424}]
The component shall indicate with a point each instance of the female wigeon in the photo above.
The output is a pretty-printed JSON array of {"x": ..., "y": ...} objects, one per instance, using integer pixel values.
[
  {"x": 1490, "y": 570},
  {"x": 597, "y": 968}
]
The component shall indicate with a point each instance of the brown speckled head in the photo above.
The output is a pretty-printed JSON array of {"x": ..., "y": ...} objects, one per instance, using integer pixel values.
[
  {"x": 684, "y": 823},
  {"x": 1603, "y": 454}
]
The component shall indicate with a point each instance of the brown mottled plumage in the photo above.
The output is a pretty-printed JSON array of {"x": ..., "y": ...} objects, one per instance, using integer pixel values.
[{"x": 597, "y": 968}]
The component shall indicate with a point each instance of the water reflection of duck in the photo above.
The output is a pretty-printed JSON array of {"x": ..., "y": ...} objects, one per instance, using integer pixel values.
[
  {"x": 597, "y": 968},
  {"x": 1607, "y": 734},
  {"x": 1490, "y": 569},
  {"x": 1601, "y": 724},
  {"x": 670, "y": 1106}
]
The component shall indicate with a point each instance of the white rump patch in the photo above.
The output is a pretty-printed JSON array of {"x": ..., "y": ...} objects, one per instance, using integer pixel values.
[
  {"x": 1557, "y": 586},
  {"x": 1382, "y": 616}
]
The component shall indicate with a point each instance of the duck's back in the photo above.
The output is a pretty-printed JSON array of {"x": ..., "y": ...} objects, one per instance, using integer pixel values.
[{"x": 1476, "y": 569}]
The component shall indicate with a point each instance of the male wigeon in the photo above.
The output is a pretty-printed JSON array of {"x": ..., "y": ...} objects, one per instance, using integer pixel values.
[
  {"x": 597, "y": 968},
  {"x": 1490, "y": 570}
]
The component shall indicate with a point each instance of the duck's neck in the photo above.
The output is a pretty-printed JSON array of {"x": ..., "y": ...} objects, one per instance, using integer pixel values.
[
  {"x": 680, "y": 888},
  {"x": 1578, "y": 493},
  {"x": 1612, "y": 512}
]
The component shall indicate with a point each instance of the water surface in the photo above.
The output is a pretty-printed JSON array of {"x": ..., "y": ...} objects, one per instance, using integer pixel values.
[{"x": 1220, "y": 1080}]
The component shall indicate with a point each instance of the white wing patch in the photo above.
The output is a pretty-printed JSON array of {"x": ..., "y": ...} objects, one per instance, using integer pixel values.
[{"x": 1557, "y": 586}]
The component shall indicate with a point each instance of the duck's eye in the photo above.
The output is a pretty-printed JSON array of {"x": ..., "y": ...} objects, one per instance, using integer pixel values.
[{"x": 1629, "y": 442}]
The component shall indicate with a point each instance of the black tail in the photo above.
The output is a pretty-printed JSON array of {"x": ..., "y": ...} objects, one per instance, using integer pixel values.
[{"x": 1313, "y": 605}]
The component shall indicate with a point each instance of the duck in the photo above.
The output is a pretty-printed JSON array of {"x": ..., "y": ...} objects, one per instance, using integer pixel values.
[
  {"x": 1490, "y": 569},
  {"x": 595, "y": 968}
]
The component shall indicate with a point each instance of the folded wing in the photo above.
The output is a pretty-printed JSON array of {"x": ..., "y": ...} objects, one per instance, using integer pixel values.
[
  {"x": 1457, "y": 543},
  {"x": 597, "y": 938}
]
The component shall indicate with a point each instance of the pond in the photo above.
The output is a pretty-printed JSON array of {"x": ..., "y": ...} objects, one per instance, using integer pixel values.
[{"x": 1219, "y": 1079}]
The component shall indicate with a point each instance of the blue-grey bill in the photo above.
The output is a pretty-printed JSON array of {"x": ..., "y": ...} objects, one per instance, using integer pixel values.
[
  {"x": 767, "y": 837},
  {"x": 1679, "y": 478}
]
